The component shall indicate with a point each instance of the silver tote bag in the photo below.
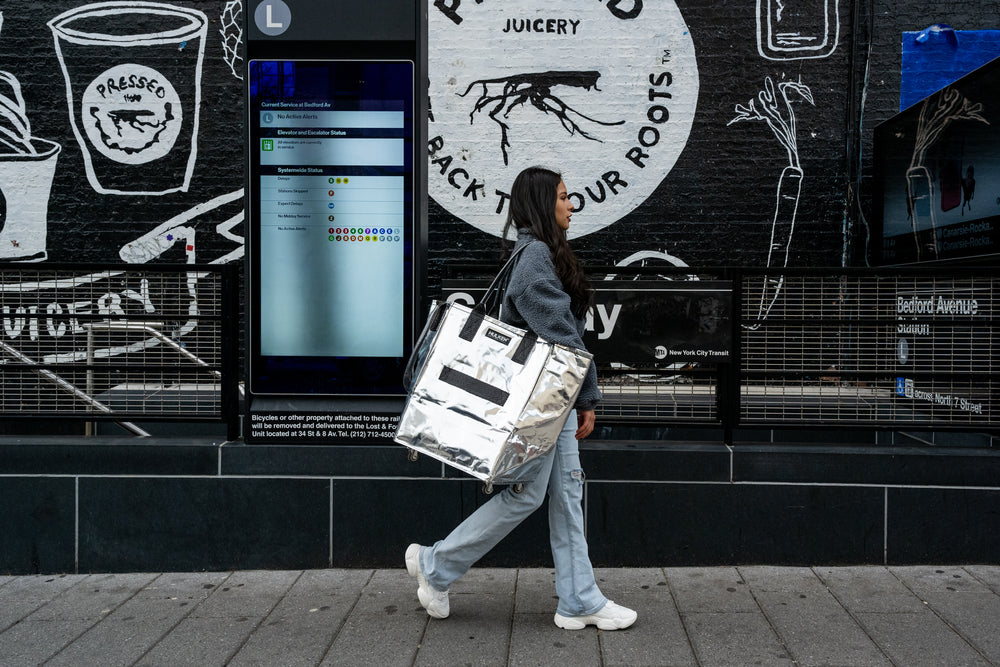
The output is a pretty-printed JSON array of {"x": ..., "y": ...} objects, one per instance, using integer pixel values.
[{"x": 488, "y": 398}]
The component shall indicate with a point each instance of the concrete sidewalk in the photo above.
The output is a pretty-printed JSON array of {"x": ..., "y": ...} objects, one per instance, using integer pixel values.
[{"x": 946, "y": 615}]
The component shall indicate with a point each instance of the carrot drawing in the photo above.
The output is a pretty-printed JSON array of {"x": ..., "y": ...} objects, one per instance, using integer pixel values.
[
  {"x": 776, "y": 110},
  {"x": 936, "y": 114}
]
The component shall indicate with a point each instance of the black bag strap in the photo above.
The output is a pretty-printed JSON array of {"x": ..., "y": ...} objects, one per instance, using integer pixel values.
[
  {"x": 493, "y": 297},
  {"x": 491, "y": 300},
  {"x": 418, "y": 354}
]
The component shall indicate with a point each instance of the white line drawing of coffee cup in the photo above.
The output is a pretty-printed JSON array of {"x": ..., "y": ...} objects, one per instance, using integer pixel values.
[
  {"x": 27, "y": 167},
  {"x": 133, "y": 88},
  {"x": 25, "y": 184}
]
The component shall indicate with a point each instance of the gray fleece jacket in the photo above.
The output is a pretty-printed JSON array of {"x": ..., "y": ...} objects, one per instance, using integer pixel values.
[{"x": 535, "y": 300}]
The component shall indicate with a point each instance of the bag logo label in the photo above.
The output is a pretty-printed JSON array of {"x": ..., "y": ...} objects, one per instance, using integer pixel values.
[{"x": 497, "y": 336}]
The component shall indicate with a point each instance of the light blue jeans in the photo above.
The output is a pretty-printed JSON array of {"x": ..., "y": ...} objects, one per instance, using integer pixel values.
[{"x": 559, "y": 474}]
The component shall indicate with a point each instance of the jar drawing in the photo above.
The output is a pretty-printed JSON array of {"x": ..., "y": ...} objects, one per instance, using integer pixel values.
[{"x": 797, "y": 29}]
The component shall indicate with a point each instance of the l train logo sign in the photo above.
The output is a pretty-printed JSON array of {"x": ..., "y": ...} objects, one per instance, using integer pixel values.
[{"x": 603, "y": 92}]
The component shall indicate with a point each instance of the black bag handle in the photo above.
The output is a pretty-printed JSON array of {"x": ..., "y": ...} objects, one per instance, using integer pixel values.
[
  {"x": 491, "y": 300},
  {"x": 493, "y": 296},
  {"x": 419, "y": 353}
]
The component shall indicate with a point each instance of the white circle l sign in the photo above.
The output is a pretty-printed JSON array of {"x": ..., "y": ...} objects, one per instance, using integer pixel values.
[
  {"x": 604, "y": 92},
  {"x": 272, "y": 17}
]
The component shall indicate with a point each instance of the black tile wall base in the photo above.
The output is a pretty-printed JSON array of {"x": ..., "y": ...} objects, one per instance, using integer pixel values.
[
  {"x": 645, "y": 461},
  {"x": 108, "y": 456},
  {"x": 375, "y": 520},
  {"x": 717, "y": 524},
  {"x": 36, "y": 525},
  {"x": 943, "y": 525},
  {"x": 180, "y": 524},
  {"x": 177, "y": 504},
  {"x": 326, "y": 461},
  {"x": 922, "y": 466}
]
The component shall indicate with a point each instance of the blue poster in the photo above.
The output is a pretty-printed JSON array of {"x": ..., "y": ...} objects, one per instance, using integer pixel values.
[{"x": 938, "y": 56}]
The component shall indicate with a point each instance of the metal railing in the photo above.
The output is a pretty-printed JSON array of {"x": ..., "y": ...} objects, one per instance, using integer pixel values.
[{"x": 137, "y": 342}]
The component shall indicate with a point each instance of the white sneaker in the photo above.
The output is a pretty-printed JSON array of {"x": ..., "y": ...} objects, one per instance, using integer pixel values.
[
  {"x": 611, "y": 617},
  {"x": 433, "y": 600}
]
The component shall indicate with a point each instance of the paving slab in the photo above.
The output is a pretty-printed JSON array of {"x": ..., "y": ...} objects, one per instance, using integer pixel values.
[
  {"x": 714, "y": 589},
  {"x": 39, "y": 586},
  {"x": 734, "y": 638},
  {"x": 297, "y": 632},
  {"x": 386, "y": 625},
  {"x": 204, "y": 641},
  {"x": 21, "y": 596},
  {"x": 93, "y": 597},
  {"x": 188, "y": 586},
  {"x": 333, "y": 582},
  {"x": 34, "y": 642},
  {"x": 302, "y": 626},
  {"x": 133, "y": 629},
  {"x": 478, "y": 634},
  {"x": 657, "y": 637},
  {"x": 989, "y": 575},
  {"x": 113, "y": 643},
  {"x": 812, "y": 624},
  {"x": 536, "y": 641},
  {"x": 870, "y": 590},
  {"x": 918, "y": 639},
  {"x": 536, "y": 592},
  {"x": 964, "y": 602},
  {"x": 928, "y": 581},
  {"x": 976, "y": 617},
  {"x": 478, "y": 630},
  {"x": 247, "y": 594},
  {"x": 706, "y": 616}
]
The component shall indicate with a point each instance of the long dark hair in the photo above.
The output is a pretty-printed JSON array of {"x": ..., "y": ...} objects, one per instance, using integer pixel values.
[{"x": 532, "y": 206}]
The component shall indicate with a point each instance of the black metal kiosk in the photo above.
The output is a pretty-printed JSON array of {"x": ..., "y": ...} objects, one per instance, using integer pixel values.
[{"x": 336, "y": 211}]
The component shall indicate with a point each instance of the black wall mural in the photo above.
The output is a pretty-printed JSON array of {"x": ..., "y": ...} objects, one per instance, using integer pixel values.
[
  {"x": 143, "y": 104},
  {"x": 652, "y": 141},
  {"x": 696, "y": 133}
]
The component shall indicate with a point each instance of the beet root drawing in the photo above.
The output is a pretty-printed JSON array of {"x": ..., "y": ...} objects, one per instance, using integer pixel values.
[{"x": 536, "y": 88}]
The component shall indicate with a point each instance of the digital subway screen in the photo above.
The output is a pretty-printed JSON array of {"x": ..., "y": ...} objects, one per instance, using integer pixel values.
[{"x": 332, "y": 203}]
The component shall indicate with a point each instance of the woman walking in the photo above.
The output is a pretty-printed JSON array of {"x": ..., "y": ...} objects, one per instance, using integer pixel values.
[{"x": 548, "y": 294}]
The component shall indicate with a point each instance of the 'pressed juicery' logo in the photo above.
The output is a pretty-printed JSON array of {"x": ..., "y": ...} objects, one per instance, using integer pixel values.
[
  {"x": 132, "y": 114},
  {"x": 604, "y": 92}
]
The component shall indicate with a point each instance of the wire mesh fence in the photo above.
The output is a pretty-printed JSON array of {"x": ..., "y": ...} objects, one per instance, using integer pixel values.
[
  {"x": 139, "y": 342},
  {"x": 876, "y": 348},
  {"x": 872, "y": 348},
  {"x": 886, "y": 348}
]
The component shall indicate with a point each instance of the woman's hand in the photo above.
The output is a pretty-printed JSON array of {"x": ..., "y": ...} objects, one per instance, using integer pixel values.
[{"x": 584, "y": 423}]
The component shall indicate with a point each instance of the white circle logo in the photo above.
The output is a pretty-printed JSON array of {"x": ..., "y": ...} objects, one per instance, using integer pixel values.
[
  {"x": 132, "y": 114},
  {"x": 660, "y": 352},
  {"x": 273, "y": 17},
  {"x": 604, "y": 93}
]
